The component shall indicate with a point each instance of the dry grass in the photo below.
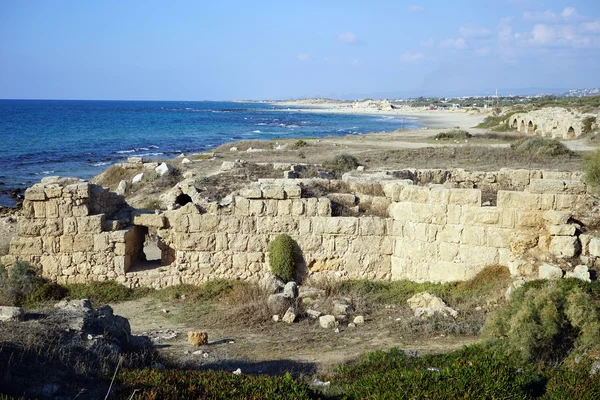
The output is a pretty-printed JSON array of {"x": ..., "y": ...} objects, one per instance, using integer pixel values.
[{"x": 113, "y": 175}]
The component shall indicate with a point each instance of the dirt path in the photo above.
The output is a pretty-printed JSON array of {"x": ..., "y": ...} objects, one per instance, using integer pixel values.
[{"x": 274, "y": 348}]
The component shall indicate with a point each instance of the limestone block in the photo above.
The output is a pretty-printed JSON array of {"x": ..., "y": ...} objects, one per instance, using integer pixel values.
[
  {"x": 529, "y": 219},
  {"x": 273, "y": 192},
  {"x": 481, "y": 215},
  {"x": 417, "y": 250},
  {"x": 513, "y": 178},
  {"x": 553, "y": 217},
  {"x": 444, "y": 271},
  {"x": 565, "y": 202},
  {"x": 327, "y": 321},
  {"x": 473, "y": 235},
  {"x": 272, "y": 207},
  {"x": 287, "y": 225},
  {"x": 428, "y": 213},
  {"x": 284, "y": 207},
  {"x": 393, "y": 189},
  {"x": 439, "y": 195},
  {"x": 304, "y": 226},
  {"x": 454, "y": 214},
  {"x": 498, "y": 237},
  {"x": 241, "y": 206},
  {"x": 229, "y": 224},
  {"x": 311, "y": 207},
  {"x": 238, "y": 243},
  {"x": 197, "y": 338},
  {"x": 251, "y": 193},
  {"x": 520, "y": 200},
  {"x": 70, "y": 226},
  {"x": 35, "y": 193},
  {"x": 334, "y": 225},
  {"x": 30, "y": 227},
  {"x": 550, "y": 272},
  {"x": 465, "y": 197},
  {"x": 585, "y": 240},
  {"x": 292, "y": 191},
  {"x": 565, "y": 246},
  {"x": 580, "y": 272},
  {"x": 323, "y": 207},
  {"x": 153, "y": 220},
  {"x": 326, "y": 264},
  {"x": 297, "y": 207},
  {"x": 508, "y": 218},
  {"x": 23, "y": 246},
  {"x": 91, "y": 224},
  {"x": 101, "y": 242},
  {"x": 53, "y": 227},
  {"x": 52, "y": 208},
  {"x": 478, "y": 255},
  {"x": 256, "y": 207},
  {"x": 400, "y": 211},
  {"x": 83, "y": 242},
  {"x": 395, "y": 228},
  {"x": 450, "y": 233},
  {"x": 39, "y": 209},
  {"x": 372, "y": 226},
  {"x": 448, "y": 251},
  {"x": 195, "y": 242},
  {"x": 521, "y": 268},
  {"x": 546, "y": 186},
  {"x": 414, "y": 194},
  {"x": 563, "y": 230},
  {"x": 521, "y": 241},
  {"x": 53, "y": 191},
  {"x": 575, "y": 187},
  {"x": 81, "y": 210}
]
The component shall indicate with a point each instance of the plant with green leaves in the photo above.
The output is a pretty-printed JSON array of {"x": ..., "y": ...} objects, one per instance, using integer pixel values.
[
  {"x": 591, "y": 168},
  {"x": 283, "y": 257}
]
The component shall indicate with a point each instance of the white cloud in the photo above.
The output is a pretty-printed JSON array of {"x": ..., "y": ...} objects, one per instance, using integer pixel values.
[
  {"x": 473, "y": 31},
  {"x": 569, "y": 13},
  {"x": 427, "y": 43},
  {"x": 506, "y": 38},
  {"x": 458, "y": 44},
  {"x": 416, "y": 9},
  {"x": 592, "y": 26},
  {"x": 350, "y": 38},
  {"x": 543, "y": 35},
  {"x": 561, "y": 35},
  {"x": 545, "y": 16},
  {"x": 411, "y": 57},
  {"x": 303, "y": 57},
  {"x": 483, "y": 51}
]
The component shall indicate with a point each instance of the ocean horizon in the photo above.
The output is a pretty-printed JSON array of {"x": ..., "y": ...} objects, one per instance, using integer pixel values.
[{"x": 81, "y": 138}]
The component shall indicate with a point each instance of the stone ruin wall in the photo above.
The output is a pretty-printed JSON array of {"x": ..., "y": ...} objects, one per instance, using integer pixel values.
[
  {"x": 553, "y": 122},
  {"x": 431, "y": 233}
]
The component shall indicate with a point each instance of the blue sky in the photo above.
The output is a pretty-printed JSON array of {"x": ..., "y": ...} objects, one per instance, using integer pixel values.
[{"x": 198, "y": 50}]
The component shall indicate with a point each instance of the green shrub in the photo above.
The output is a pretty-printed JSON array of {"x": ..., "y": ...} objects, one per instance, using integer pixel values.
[
  {"x": 573, "y": 382},
  {"x": 546, "y": 321},
  {"x": 300, "y": 143},
  {"x": 591, "y": 168},
  {"x": 550, "y": 147},
  {"x": 103, "y": 292},
  {"x": 283, "y": 257},
  {"x": 180, "y": 384},
  {"x": 48, "y": 291},
  {"x": 587, "y": 124},
  {"x": 456, "y": 134},
  {"x": 207, "y": 291},
  {"x": 342, "y": 163},
  {"x": 18, "y": 283}
]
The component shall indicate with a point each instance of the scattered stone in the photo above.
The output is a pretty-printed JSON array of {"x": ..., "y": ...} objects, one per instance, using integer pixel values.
[
  {"x": 550, "y": 272},
  {"x": 186, "y": 161},
  {"x": 337, "y": 330},
  {"x": 580, "y": 272},
  {"x": 135, "y": 160},
  {"x": 228, "y": 165},
  {"x": 122, "y": 188},
  {"x": 291, "y": 289},
  {"x": 270, "y": 283},
  {"x": 278, "y": 302},
  {"x": 138, "y": 178},
  {"x": 359, "y": 320},
  {"x": 351, "y": 325},
  {"x": 189, "y": 174},
  {"x": 565, "y": 246},
  {"x": 341, "y": 308},
  {"x": 318, "y": 382},
  {"x": 426, "y": 305},
  {"x": 313, "y": 313},
  {"x": 360, "y": 168},
  {"x": 163, "y": 169},
  {"x": 237, "y": 371},
  {"x": 197, "y": 352},
  {"x": 165, "y": 311},
  {"x": 280, "y": 147},
  {"x": 289, "y": 316},
  {"x": 11, "y": 314},
  {"x": 275, "y": 318},
  {"x": 251, "y": 150},
  {"x": 310, "y": 292},
  {"x": 327, "y": 321},
  {"x": 205, "y": 355},
  {"x": 197, "y": 338},
  {"x": 233, "y": 149}
]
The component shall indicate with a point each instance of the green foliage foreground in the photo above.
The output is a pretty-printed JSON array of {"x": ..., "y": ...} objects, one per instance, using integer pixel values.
[{"x": 283, "y": 257}]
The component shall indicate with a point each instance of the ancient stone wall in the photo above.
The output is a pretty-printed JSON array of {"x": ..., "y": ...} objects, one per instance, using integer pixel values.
[
  {"x": 553, "y": 122},
  {"x": 438, "y": 232}
]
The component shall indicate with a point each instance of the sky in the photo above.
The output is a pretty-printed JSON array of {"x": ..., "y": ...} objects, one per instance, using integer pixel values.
[{"x": 280, "y": 49}]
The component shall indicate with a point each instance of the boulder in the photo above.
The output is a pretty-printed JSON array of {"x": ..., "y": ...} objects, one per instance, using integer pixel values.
[
  {"x": 76, "y": 305},
  {"x": 197, "y": 338},
  {"x": 278, "y": 302},
  {"x": 580, "y": 272},
  {"x": 270, "y": 283},
  {"x": 359, "y": 320},
  {"x": 11, "y": 314},
  {"x": 310, "y": 292},
  {"x": 425, "y": 300},
  {"x": 275, "y": 318},
  {"x": 122, "y": 188},
  {"x": 163, "y": 169},
  {"x": 550, "y": 272},
  {"x": 233, "y": 149},
  {"x": 138, "y": 178},
  {"x": 290, "y": 315},
  {"x": 327, "y": 321},
  {"x": 341, "y": 308},
  {"x": 313, "y": 313},
  {"x": 565, "y": 246},
  {"x": 291, "y": 289},
  {"x": 186, "y": 161}
]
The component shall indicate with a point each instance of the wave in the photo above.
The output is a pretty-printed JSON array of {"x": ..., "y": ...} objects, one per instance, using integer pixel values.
[
  {"x": 256, "y": 131},
  {"x": 44, "y": 173},
  {"x": 99, "y": 164}
]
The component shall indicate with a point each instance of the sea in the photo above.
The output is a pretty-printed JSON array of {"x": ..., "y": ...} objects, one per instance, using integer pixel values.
[{"x": 82, "y": 138}]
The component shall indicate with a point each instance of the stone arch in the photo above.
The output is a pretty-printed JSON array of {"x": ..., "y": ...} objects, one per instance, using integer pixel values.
[
  {"x": 522, "y": 128},
  {"x": 515, "y": 124},
  {"x": 530, "y": 128},
  {"x": 571, "y": 133},
  {"x": 147, "y": 249}
]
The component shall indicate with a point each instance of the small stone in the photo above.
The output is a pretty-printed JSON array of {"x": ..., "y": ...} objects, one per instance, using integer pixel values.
[
  {"x": 122, "y": 188},
  {"x": 327, "y": 321},
  {"x": 291, "y": 289},
  {"x": 197, "y": 338},
  {"x": 275, "y": 318},
  {"x": 341, "y": 309},
  {"x": 351, "y": 325},
  {"x": 237, "y": 371},
  {"x": 359, "y": 320},
  {"x": 165, "y": 311},
  {"x": 289, "y": 316},
  {"x": 138, "y": 178},
  {"x": 337, "y": 330},
  {"x": 313, "y": 313},
  {"x": 197, "y": 352},
  {"x": 360, "y": 168},
  {"x": 186, "y": 161},
  {"x": 595, "y": 368},
  {"x": 580, "y": 272},
  {"x": 11, "y": 314},
  {"x": 163, "y": 169},
  {"x": 233, "y": 149},
  {"x": 205, "y": 355},
  {"x": 550, "y": 272}
]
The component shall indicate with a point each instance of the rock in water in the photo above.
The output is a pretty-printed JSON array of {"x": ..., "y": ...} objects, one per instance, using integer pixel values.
[{"x": 197, "y": 338}]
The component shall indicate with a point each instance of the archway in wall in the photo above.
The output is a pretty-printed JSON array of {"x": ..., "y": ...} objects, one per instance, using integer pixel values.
[
  {"x": 515, "y": 124},
  {"x": 183, "y": 199},
  {"x": 571, "y": 133},
  {"x": 522, "y": 128},
  {"x": 148, "y": 250},
  {"x": 530, "y": 128}
]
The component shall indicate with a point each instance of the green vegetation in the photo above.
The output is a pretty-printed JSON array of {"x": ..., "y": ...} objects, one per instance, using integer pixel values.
[
  {"x": 300, "y": 143},
  {"x": 17, "y": 283},
  {"x": 498, "y": 123},
  {"x": 207, "y": 291},
  {"x": 455, "y": 134},
  {"x": 547, "y": 321},
  {"x": 341, "y": 164},
  {"x": 591, "y": 168},
  {"x": 539, "y": 146},
  {"x": 179, "y": 384},
  {"x": 283, "y": 257},
  {"x": 587, "y": 124}
]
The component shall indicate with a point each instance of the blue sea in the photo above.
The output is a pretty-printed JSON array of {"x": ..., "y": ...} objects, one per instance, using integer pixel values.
[{"x": 81, "y": 138}]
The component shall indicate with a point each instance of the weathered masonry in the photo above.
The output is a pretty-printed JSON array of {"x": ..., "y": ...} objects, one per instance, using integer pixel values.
[
  {"x": 553, "y": 122},
  {"x": 437, "y": 227}
]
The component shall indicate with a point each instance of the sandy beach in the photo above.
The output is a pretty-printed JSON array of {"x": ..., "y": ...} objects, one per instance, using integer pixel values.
[{"x": 428, "y": 118}]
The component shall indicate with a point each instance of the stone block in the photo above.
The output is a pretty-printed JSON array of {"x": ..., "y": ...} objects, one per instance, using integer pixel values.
[
  {"x": 565, "y": 246},
  {"x": 251, "y": 193},
  {"x": 81, "y": 210},
  {"x": 481, "y": 215},
  {"x": 52, "y": 208},
  {"x": 53, "y": 191},
  {"x": 273, "y": 192},
  {"x": 241, "y": 206},
  {"x": 256, "y": 207},
  {"x": 439, "y": 195},
  {"x": 30, "y": 227},
  {"x": 203, "y": 222},
  {"x": 580, "y": 272},
  {"x": 297, "y": 207},
  {"x": 454, "y": 214},
  {"x": 529, "y": 219},
  {"x": 372, "y": 226},
  {"x": 35, "y": 193},
  {"x": 498, "y": 237},
  {"x": 284, "y": 207},
  {"x": 520, "y": 200},
  {"x": 553, "y": 217},
  {"x": 39, "y": 209},
  {"x": 228, "y": 224},
  {"x": 414, "y": 194},
  {"x": 562, "y": 230},
  {"x": 473, "y": 235},
  {"x": 91, "y": 224},
  {"x": 197, "y": 338},
  {"x": 521, "y": 241},
  {"x": 585, "y": 240},
  {"x": 53, "y": 227},
  {"x": 152, "y": 220},
  {"x": 292, "y": 191},
  {"x": 400, "y": 211},
  {"x": 546, "y": 186},
  {"x": 25, "y": 246},
  {"x": 550, "y": 272},
  {"x": 448, "y": 251},
  {"x": 450, "y": 233},
  {"x": 465, "y": 197},
  {"x": 334, "y": 225},
  {"x": 428, "y": 213},
  {"x": 323, "y": 207},
  {"x": 101, "y": 242},
  {"x": 83, "y": 242},
  {"x": 478, "y": 255},
  {"x": 195, "y": 242},
  {"x": 275, "y": 225},
  {"x": 565, "y": 202}
]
